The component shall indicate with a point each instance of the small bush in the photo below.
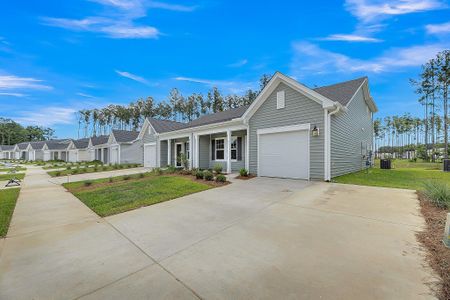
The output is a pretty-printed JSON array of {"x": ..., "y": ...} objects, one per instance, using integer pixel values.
[
  {"x": 218, "y": 168},
  {"x": 208, "y": 175},
  {"x": 157, "y": 171},
  {"x": 221, "y": 178},
  {"x": 438, "y": 192},
  {"x": 126, "y": 177},
  {"x": 199, "y": 174},
  {"x": 88, "y": 183},
  {"x": 120, "y": 166},
  {"x": 141, "y": 175},
  {"x": 75, "y": 171},
  {"x": 243, "y": 172},
  {"x": 110, "y": 179},
  {"x": 104, "y": 168},
  {"x": 95, "y": 168},
  {"x": 115, "y": 167},
  {"x": 171, "y": 169},
  {"x": 58, "y": 173},
  {"x": 68, "y": 168}
]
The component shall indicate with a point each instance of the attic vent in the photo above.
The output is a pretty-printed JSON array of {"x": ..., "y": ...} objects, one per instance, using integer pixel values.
[{"x": 280, "y": 99}]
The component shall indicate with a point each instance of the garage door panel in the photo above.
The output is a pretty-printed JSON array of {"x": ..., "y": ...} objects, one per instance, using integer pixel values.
[
  {"x": 150, "y": 156},
  {"x": 284, "y": 154}
]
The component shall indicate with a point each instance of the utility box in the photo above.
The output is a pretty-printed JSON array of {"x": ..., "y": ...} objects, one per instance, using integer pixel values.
[
  {"x": 446, "y": 165},
  {"x": 385, "y": 164},
  {"x": 447, "y": 232}
]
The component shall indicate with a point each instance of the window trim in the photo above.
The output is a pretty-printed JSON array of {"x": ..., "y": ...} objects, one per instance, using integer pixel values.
[
  {"x": 234, "y": 139},
  {"x": 224, "y": 148}
]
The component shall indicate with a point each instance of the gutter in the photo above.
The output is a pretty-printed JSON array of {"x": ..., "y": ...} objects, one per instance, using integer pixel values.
[{"x": 328, "y": 114}]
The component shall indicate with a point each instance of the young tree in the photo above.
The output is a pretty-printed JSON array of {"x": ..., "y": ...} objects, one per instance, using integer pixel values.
[{"x": 443, "y": 79}]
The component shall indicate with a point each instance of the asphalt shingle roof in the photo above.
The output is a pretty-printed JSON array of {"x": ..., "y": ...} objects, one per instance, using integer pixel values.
[
  {"x": 7, "y": 147},
  {"x": 98, "y": 140},
  {"x": 218, "y": 117},
  {"x": 81, "y": 143},
  {"x": 341, "y": 92},
  {"x": 162, "y": 126},
  {"x": 52, "y": 145},
  {"x": 124, "y": 136},
  {"x": 23, "y": 146}
]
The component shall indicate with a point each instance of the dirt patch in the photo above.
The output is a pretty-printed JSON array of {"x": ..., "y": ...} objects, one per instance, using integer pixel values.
[
  {"x": 438, "y": 256},
  {"x": 250, "y": 176}
]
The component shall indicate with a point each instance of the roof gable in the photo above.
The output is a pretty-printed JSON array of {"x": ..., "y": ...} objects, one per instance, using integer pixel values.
[{"x": 125, "y": 136}]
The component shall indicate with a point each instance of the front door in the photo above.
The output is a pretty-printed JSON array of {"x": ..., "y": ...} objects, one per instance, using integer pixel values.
[{"x": 178, "y": 152}]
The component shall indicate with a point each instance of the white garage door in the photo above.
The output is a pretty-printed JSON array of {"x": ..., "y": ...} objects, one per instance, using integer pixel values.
[
  {"x": 284, "y": 153},
  {"x": 150, "y": 156},
  {"x": 73, "y": 156}
]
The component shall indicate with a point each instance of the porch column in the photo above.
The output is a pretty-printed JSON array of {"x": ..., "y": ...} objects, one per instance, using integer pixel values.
[
  {"x": 247, "y": 150},
  {"x": 197, "y": 151},
  {"x": 169, "y": 150},
  {"x": 191, "y": 156},
  {"x": 228, "y": 157}
]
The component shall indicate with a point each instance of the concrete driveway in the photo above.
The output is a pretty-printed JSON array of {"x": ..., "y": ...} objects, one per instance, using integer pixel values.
[{"x": 258, "y": 239}]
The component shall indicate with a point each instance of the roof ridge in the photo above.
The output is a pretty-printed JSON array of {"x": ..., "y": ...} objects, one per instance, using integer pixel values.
[{"x": 342, "y": 82}]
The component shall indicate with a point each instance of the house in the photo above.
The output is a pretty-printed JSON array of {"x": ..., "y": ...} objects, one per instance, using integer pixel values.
[
  {"x": 289, "y": 131},
  {"x": 56, "y": 150},
  {"x": 36, "y": 150},
  {"x": 125, "y": 147},
  {"x": 22, "y": 150},
  {"x": 7, "y": 151},
  {"x": 99, "y": 149},
  {"x": 79, "y": 150}
]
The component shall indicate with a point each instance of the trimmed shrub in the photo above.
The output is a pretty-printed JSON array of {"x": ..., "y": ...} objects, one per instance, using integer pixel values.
[
  {"x": 126, "y": 177},
  {"x": 208, "y": 175},
  {"x": 110, "y": 179},
  {"x": 221, "y": 178},
  {"x": 243, "y": 172},
  {"x": 157, "y": 171},
  {"x": 199, "y": 174},
  {"x": 68, "y": 168},
  {"x": 104, "y": 168},
  {"x": 58, "y": 173},
  {"x": 218, "y": 168},
  {"x": 438, "y": 192},
  {"x": 75, "y": 171},
  {"x": 141, "y": 175},
  {"x": 87, "y": 183},
  {"x": 171, "y": 169}
]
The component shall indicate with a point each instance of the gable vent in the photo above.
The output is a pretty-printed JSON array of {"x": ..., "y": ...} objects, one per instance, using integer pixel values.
[{"x": 280, "y": 99}]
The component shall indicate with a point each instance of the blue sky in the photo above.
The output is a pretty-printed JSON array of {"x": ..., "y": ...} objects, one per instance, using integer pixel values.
[{"x": 57, "y": 57}]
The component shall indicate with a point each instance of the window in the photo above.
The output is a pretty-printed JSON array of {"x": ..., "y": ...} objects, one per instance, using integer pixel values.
[
  {"x": 280, "y": 99},
  {"x": 233, "y": 148},
  {"x": 220, "y": 149}
]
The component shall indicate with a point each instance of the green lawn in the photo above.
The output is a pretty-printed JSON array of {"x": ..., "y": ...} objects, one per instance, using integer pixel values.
[
  {"x": 82, "y": 170},
  {"x": 107, "y": 198},
  {"x": 8, "y": 200},
  {"x": 9, "y": 169},
  {"x": 405, "y": 174},
  {"x": 9, "y": 176}
]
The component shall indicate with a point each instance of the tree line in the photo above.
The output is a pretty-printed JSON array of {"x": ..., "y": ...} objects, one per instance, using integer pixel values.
[
  {"x": 12, "y": 133},
  {"x": 176, "y": 107},
  {"x": 397, "y": 134}
]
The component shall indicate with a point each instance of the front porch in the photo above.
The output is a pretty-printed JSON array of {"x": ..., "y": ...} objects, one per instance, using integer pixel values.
[{"x": 204, "y": 150}]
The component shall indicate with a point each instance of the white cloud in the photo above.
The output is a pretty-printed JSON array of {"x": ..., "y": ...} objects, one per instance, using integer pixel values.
[
  {"x": 108, "y": 26},
  {"x": 370, "y": 10},
  {"x": 239, "y": 63},
  {"x": 12, "y": 95},
  {"x": 132, "y": 76},
  {"x": 168, "y": 6},
  {"x": 438, "y": 28},
  {"x": 231, "y": 86},
  {"x": 10, "y": 82},
  {"x": 310, "y": 58},
  {"x": 40, "y": 116},
  {"x": 86, "y": 95},
  {"x": 350, "y": 38}
]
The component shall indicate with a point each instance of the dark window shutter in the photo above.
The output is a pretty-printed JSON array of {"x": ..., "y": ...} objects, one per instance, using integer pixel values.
[
  {"x": 239, "y": 148},
  {"x": 213, "y": 147}
]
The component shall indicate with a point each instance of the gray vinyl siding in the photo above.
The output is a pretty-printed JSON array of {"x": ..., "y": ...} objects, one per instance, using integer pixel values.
[
  {"x": 204, "y": 153},
  {"x": 132, "y": 153},
  {"x": 298, "y": 110},
  {"x": 163, "y": 154},
  {"x": 351, "y": 135}
]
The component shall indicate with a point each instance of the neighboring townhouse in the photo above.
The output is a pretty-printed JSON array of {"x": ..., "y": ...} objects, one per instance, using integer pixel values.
[
  {"x": 79, "y": 150},
  {"x": 125, "y": 147},
  {"x": 99, "y": 148},
  {"x": 56, "y": 150},
  {"x": 289, "y": 131},
  {"x": 36, "y": 150},
  {"x": 22, "y": 150},
  {"x": 7, "y": 151}
]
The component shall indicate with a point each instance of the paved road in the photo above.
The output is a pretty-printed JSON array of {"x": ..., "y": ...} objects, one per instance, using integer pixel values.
[{"x": 260, "y": 239}]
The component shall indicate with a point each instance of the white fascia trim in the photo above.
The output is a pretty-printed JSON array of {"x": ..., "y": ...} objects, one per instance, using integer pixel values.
[
  {"x": 366, "y": 94},
  {"x": 273, "y": 83},
  {"x": 150, "y": 144},
  {"x": 298, "y": 127},
  {"x": 144, "y": 128},
  {"x": 235, "y": 124}
]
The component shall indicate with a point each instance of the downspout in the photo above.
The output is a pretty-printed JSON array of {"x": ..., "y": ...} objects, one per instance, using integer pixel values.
[{"x": 328, "y": 141}]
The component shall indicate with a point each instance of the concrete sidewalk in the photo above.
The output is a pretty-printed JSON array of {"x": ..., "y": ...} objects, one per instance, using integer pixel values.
[{"x": 57, "y": 248}]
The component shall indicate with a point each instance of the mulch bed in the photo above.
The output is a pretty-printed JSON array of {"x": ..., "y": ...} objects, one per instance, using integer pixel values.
[
  {"x": 250, "y": 176},
  {"x": 438, "y": 256}
]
